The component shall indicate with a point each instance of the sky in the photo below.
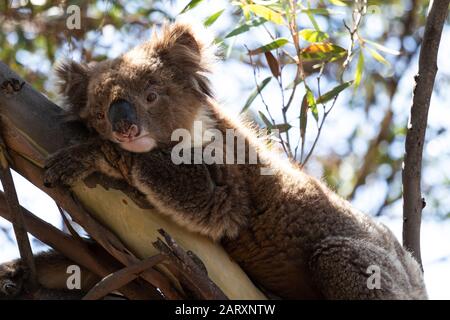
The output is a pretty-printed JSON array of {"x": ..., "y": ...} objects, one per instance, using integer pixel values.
[{"x": 233, "y": 82}]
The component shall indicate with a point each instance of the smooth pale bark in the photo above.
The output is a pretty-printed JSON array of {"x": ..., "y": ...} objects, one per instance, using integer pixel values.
[{"x": 33, "y": 127}]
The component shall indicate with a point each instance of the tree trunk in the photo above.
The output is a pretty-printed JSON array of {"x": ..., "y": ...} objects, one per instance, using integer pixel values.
[{"x": 413, "y": 202}]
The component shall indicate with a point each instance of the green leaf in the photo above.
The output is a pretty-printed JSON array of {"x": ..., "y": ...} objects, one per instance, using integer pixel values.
[
  {"x": 255, "y": 93},
  {"x": 323, "y": 51},
  {"x": 191, "y": 5},
  {"x": 277, "y": 43},
  {"x": 359, "y": 69},
  {"x": 322, "y": 11},
  {"x": 338, "y": 3},
  {"x": 382, "y": 48},
  {"x": 212, "y": 18},
  {"x": 295, "y": 82},
  {"x": 304, "y": 116},
  {"x": 283, "y": 127},
  {"x": 313, "y": 20},
  {"x": 311, "y": 35},
  {"x": 312, "y": 103},
  {"x": 379, "y": 57},
  {"x": 245, "y": 27},
  {"x": 334, "y": 92},
  {"x": 265, "y": 120},
  {"x": 265, "y": 12}
]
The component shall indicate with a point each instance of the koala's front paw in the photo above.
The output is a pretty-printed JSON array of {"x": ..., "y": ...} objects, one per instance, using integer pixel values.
[{"x": 63, "y": 168}]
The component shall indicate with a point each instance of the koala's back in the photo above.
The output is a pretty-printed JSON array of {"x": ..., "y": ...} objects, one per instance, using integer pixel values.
[{"x": 305, "y": 242}]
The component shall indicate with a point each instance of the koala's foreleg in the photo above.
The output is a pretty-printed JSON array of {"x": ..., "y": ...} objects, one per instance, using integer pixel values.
[
  {"x": 74, "y": 163},
  {"x": 197, "y": 196}
]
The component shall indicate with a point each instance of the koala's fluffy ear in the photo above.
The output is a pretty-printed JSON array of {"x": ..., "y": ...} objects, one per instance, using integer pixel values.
[
  {"x": 179, "y": 46},
  {"x": 72, "y": 83}
]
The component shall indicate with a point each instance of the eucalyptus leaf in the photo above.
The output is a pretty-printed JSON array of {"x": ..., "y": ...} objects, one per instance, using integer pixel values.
[
  {"x": 191, "y": 5},
  {"x": 333, "y": 92},
  {"x": 212, "y": 18},
  {"x": 277, "y": 43},
  {"x": 255, "y": 93}
]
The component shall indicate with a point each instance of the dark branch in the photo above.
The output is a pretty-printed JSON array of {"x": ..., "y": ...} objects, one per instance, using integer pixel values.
[
  {"x": 190, "y": 270},
  {"x": 415, "y": 137},
  {"x": 117, "y": 280},
  {"x": 15, "y": 210}
]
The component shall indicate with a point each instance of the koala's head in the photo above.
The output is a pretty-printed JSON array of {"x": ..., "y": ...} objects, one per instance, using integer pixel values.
[{"x": 139, "y": 98}]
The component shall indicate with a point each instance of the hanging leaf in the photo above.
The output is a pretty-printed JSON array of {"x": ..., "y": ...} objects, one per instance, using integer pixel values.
[
  {"x": 378, "y": 57},
  {"x": 311, "y": 35},
  {"x": 246, "y": 27},
  {"x": 304, "y": 116},
  {"x": 212, "y": 18},
  {"x": 265, "y": 120},
  {"x": 283, "y": 127},
  {"x": 383, "y": 48},
  {"x": 324, "y": 52},
  {"x": 255, "y": 93},
  {"x": 295, "y": 82},
  {"x": 265, "y": 13},
  {"x": 229, "y": 48},
  {"x": 312, "y": 103},
  {"x": 273, "y": 64},
  {"x": 313, "y": 20},
  {"x": 277, "y": 43},
  {"x": 191, "y": 5},
  {"x": 334, "y": 92},
  {"x": 359, "y": 69}
]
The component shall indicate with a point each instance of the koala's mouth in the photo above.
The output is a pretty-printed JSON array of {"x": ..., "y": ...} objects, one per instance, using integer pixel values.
[
  {"x": 141, "y": 142},
  {"x": 131, "y": 133}
]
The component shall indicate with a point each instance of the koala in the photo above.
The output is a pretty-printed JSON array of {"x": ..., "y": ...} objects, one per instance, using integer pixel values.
[{"x": 292, "y": 235}]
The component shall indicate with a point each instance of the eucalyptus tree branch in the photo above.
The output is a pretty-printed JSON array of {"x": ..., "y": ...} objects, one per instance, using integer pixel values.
[
  {"x": 413, "y": 202},
  {"x": 20, "y": 230},
  {"x": 96, "y": 259}
]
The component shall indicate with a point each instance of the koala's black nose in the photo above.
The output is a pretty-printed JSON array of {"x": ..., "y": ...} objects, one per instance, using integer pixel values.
[{"x": 122, "y": 115}]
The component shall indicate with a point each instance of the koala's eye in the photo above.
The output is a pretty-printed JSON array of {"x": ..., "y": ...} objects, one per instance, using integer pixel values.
[
  {"x": 100, "y": 115},
  {"x": 152, "y": 96}
]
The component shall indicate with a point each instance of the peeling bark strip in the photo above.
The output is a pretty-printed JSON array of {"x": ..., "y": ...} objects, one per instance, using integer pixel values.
[{"x": 415, "y": 137}]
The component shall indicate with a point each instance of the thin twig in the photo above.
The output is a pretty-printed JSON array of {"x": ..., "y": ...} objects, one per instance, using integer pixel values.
[
  {"x": 20, "y": 231},
  {"x": 319, "y": 131},
  {"x": 255, "y": 77},
  {"x": 413, "y": 202},
  {"x": 118, "y": 279}
]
